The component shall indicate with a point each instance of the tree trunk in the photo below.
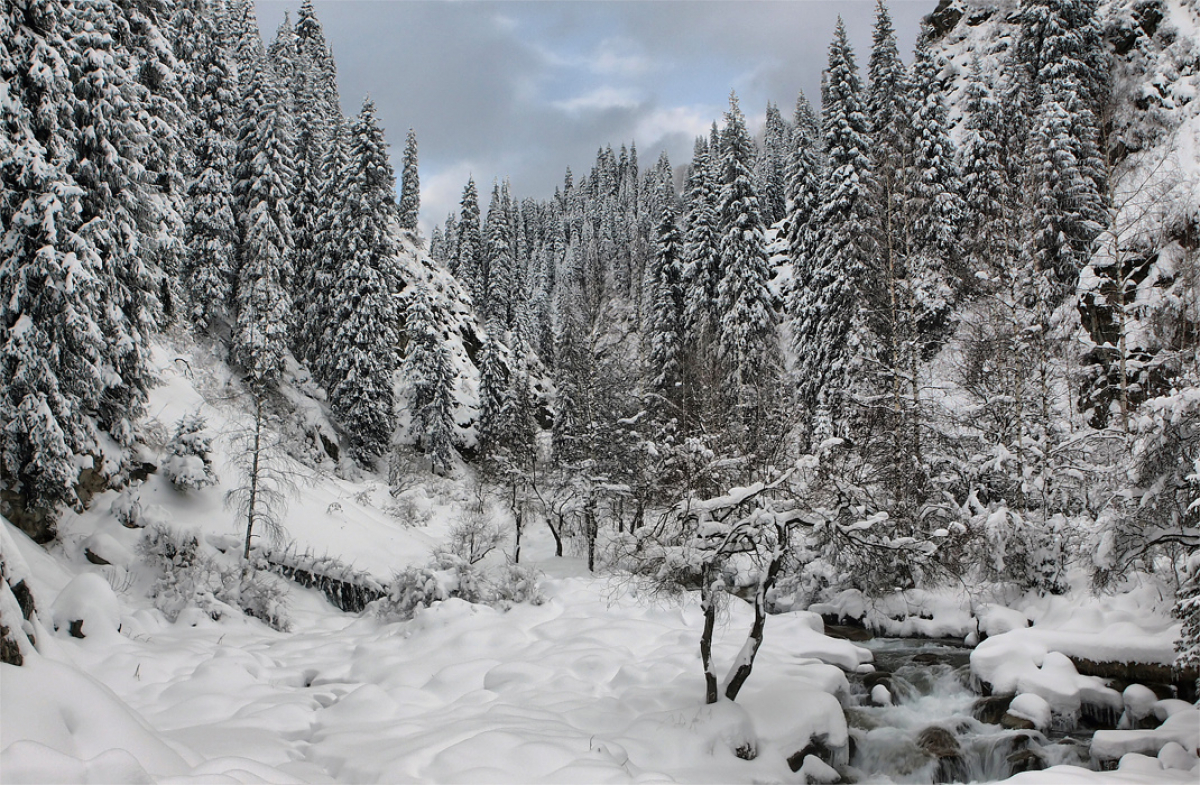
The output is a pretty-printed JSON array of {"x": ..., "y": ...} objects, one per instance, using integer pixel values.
[
  {"x": 557, "y": 534},
  {"x": 709, "y": 607},
  {"x": 252, "y": 507},
  {"x": 745, "y": 661}
]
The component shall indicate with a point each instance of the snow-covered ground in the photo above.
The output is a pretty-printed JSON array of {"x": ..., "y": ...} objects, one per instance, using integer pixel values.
[{"x": 595, "y": 684}]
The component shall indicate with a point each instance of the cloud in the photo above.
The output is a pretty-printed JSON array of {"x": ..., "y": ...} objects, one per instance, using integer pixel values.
[{"x": 599, "y": 100}]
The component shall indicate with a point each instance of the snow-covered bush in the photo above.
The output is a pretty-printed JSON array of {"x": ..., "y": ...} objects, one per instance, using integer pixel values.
[
  {"x": 127, "y": 507},
  {"x": 1024, "y": 551},
  {"x": 188, "y": 463},
  {"x": 450, "y": 576},
  {"x": 190, "y": 573},
  {"x": 474, "y": 537}
]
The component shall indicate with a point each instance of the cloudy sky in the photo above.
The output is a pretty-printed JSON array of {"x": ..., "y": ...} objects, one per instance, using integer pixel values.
[{"x": 524, "y": 89}]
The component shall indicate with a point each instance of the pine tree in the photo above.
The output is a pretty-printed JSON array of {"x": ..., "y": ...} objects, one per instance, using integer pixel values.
[
  {"x": 746, "y": 334},
  {"x": 701, "y": 277},
  {"x": 1063, "y": 56},
  {"x": 493, "y": 396},
  {"x": 988, "y": 196},
  {"x": 665, "y": 334},
  {"x": 431, "y": 380},
  {"x": 501, "y": 280},
  {"x": 211, "y": 232},
  {"x": 365, "y": 321},
  {"x": 773, "y": 167},
  {"x": 263, "y": 191},
  {"x": 934, "y": 205},
  {"x": 804, "y": 184},
  {"x": 468, "y": 267},
  {"x": 326, "y": 251},
  {"x": 121, "y": 218},
  {"x": 410, "y": 186},
  {"x": 831, "y": 332},
  {"x": 50, "y": 335}
]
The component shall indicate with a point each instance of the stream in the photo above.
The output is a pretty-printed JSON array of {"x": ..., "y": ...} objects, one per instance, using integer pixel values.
[{"x": 926, "y": 731}]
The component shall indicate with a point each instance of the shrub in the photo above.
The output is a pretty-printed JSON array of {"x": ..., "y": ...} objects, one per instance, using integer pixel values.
[
  {"x": 188, "y": 464},
  {"x": 193, "y": 574},
  {"x": 450, "y": 575}
]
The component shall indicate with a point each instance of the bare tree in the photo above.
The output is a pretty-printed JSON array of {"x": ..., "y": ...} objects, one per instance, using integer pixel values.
[{"x": 266, "y": 478}]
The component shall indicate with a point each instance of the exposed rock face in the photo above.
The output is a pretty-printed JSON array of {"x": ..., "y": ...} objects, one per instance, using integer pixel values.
[
  {"x": 1013, "y": 722},
  {"x": 991, "y": 709},
  {"x": 817, "y": 746},
  {"x": 1026, "y": 760},
  {"x": 941, "y": 745}
]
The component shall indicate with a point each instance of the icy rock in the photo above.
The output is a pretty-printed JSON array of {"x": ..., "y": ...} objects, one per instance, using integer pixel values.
[
  {"x": 102, "y": 548},
  {"x": 818, "y": 747},
  {"x": 86, "y": 606},
  {"x": 1174, "y": 756},
  {"x": 1139, "y": 704},
  {"x": 991, "y": 709},
  {"x": 997, "y": 620},
  {"x": 1182, "y": 727},
  {"x": 815, "y": 770},
  {"x": 1033, "y": 708},
  {"x": 880, "y": 696},
  {"x": 1169, "y": 706}
]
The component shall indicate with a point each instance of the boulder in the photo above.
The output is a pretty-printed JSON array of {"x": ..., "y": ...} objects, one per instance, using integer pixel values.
[{"x": 991, "y": 709}]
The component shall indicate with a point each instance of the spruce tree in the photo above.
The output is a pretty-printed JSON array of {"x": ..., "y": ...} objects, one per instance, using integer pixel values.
[
  {"x": 50, "y": 333},
  {"x": 988, "y": 195},
  {"x": 804, "y": 184},
  {"x": 365, "y": 321},
  {"x": 410, "y": 186},
  {"x": 263, "y": 191},
  {"x": 211, "y": 231},
  {"x": 665, "y": 335},
  {"x": 772, "y": 173},
  {"x": 746, "y": 332},
  {"x": 468, "y": 267},
  {"x": 831, "y": 329},
  {"x": 493, "y": 396},
  {"x": 431, "y": 381},
  {"x": 120, "y": 215},
  {"x": 934, "y": 205}
]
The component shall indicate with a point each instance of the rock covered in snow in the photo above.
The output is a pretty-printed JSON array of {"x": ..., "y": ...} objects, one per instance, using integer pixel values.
[
  {"x": 1182, "y": 727},
  {"x": 1031, "y": 707},
  {"x": 86, "y": 606}
]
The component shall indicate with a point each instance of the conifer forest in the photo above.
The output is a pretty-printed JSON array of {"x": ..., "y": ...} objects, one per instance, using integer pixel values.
[{"x": 861, "y": 446}]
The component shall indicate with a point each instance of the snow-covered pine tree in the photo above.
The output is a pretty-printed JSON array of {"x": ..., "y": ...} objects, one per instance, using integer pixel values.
[
  {"x": 262, "y": 188},
  {"x": 121, "y": 214},
  {"x": 325, "y": 254},
  {"x": 431, "y": 382},
  {"x": 283, "y": 55},
  {"x": 50, "y": 335},
  {"x": 410, "y": 186},
  {"x": 210, "y": 267},
  {"x": 772, "y": 170},
  {"x": 1064, "y": 62},
  {"x": 468, "y": 267},
  {"x": 701, "y": 276},
  {"x": 500, "y": 280},
  {"x": 665, "y": 335},
  {"x": 803, "y": 196},
  {"x": 987, "y": 233},
  {"x": 746, "y": 332},
  {"x": 365, "y": 318},
  {"x": 1067, "y": 210},
  {"x": 934, "y": 252},
  {"x": 493, "y": 396},
  {"x": 830, "y": 326}
]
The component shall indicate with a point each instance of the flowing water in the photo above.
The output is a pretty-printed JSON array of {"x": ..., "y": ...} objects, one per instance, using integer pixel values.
[{"x": 927, "y": 732}]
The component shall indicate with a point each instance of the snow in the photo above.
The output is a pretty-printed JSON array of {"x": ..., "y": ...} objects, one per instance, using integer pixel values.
[
  {"x": 1183, "y": 728},
  {"x": 87, "y": 598},
  {"x": 1033, "y": 708}
]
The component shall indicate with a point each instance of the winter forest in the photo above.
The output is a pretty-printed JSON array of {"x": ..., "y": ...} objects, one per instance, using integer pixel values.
[{"x": 863, "y": 446}]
